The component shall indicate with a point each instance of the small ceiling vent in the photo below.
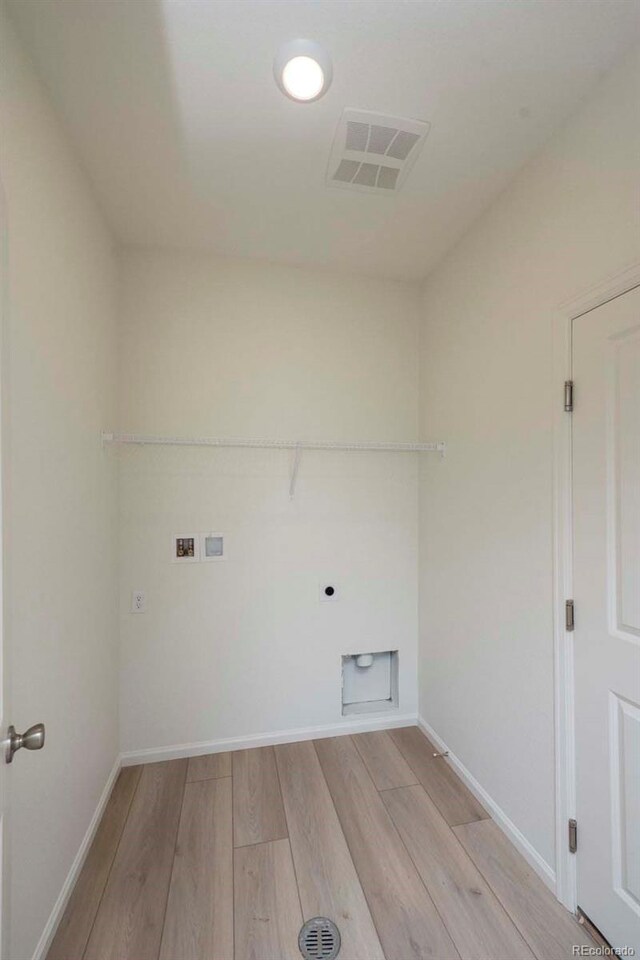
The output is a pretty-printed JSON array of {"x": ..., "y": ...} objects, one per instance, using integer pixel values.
[{"x": 373, "y": 152}]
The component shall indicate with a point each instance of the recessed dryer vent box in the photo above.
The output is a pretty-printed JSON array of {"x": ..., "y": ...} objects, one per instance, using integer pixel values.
[{"x": 373, "y": 688}]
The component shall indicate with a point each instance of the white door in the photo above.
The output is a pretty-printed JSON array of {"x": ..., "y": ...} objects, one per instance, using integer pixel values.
[
  {"x": 606, "y": 501},
  {"x": 4, "y": 853}
]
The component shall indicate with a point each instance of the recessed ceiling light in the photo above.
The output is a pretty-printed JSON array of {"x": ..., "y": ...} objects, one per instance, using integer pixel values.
[
  {"x": 303, "y": 78},
  {"x": 302, "y": 70}
]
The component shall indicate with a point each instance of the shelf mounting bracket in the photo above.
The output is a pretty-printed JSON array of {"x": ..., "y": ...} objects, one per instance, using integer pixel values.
[{"x": 297, "y": 454}]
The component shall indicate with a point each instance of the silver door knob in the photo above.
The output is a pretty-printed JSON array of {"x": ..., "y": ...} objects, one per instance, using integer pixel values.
[{"x": 31, "y": 739}]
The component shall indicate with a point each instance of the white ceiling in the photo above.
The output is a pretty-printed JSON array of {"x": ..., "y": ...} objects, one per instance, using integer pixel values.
[{"x": 189, "y": 142}]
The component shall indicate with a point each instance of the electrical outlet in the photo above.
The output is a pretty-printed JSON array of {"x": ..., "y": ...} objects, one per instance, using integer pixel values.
[
  {"x": 138, "y": 602},
  {"x": 328, "y": 592}
]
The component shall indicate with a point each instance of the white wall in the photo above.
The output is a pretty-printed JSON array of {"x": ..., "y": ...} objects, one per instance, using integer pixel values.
[
  {"x": 486, "y": 648},
  {"x": 217, "y": 347},
  {"x": 59, "y": 389}
]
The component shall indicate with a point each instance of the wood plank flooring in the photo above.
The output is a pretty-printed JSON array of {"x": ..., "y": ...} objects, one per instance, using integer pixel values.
[
  {"x": 199, "y": 917},
  {"x": 327, "y": 878},
  {"x": 451, "y": 797},
  {"x": 479, "y": 926},
  {"x": 258, "y": 814},
  {"x": 74, "y": 929},
  {"x": 408, "y": 923},
  {"x": 210, "y": 767},
  {"x": 386, "y": 765},
  {"x": 267, "y": 907},
  {"x": 548, "y": 928},
  {"x": 223, "y": 857},
  {"x": 131, "y": 915}
]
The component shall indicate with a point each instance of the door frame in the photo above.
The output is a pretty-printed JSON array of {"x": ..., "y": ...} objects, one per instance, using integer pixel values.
[{"x": 612, "y": 286}]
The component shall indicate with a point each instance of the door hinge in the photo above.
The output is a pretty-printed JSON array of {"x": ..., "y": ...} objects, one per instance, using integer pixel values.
[
  {"x": 573, "y": 836},
  {"x": 569, "y": 615},
  {"x": 568, "y": 396}
]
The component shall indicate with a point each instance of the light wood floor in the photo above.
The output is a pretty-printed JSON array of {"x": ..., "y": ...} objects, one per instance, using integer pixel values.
[{"x": 223, "y": 857}]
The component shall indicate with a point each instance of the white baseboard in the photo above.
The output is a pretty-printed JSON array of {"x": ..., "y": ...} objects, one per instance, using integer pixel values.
[
  {"x": 180, "y": 750},
  {"x": 517, "y": 838},
  {"x": 67, "y": 888}
]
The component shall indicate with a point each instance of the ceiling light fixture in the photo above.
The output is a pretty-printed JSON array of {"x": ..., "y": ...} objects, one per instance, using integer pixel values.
[{"x": 303, "y": 70}]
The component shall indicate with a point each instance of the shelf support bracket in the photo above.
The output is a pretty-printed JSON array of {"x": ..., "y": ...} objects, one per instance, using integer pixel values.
[{"x": 294, "y": 470}]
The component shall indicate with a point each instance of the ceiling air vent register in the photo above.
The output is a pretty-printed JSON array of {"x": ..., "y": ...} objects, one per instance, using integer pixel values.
[{"x": 374, "y": 152}]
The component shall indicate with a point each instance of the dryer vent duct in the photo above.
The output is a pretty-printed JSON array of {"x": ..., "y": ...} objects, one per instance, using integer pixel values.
[{"x": 374, "y": 152}]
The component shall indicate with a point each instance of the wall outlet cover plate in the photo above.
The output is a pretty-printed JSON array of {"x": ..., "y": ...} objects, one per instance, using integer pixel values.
[
  {"x": 212, "y": 546},
  {"x": 138, "y": 601}
]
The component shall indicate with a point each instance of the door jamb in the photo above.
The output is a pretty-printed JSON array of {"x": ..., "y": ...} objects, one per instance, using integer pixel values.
[{"x": 607, "y": 289}]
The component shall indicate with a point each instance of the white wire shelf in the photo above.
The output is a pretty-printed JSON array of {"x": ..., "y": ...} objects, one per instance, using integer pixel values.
[
  {"x": 142, "y": 439},
  {"x": 297, "y": 445}
]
